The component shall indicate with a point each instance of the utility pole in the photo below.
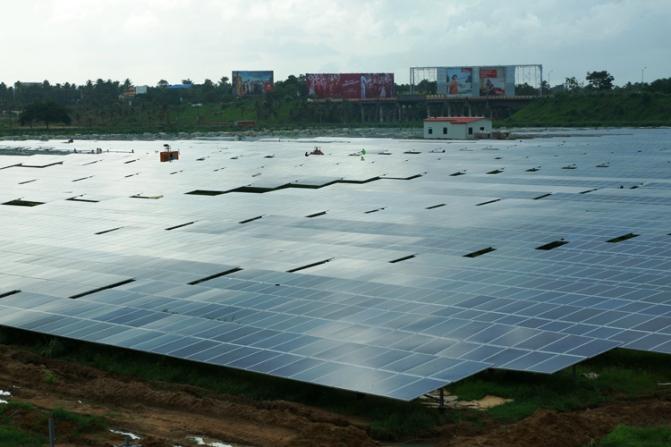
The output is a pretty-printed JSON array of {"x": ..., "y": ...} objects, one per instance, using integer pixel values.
[{"x": 643, "y": 75}]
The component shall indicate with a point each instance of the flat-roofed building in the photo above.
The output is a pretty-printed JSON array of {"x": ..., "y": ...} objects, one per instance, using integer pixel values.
[{"x": 456, "y": 127}]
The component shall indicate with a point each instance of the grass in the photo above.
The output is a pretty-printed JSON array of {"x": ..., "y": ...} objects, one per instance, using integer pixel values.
[
  {"x": 15, "y": 434},
  {"x": 620, "y": 375},
  {"x": 613, "y": 109},
  {"x": 594, "y": 110},
  {"x": 219, "y": 116},
  {"x": 13, "y": 437},
  {"x": 82, "y": 423},
  {"x": 529, "y": 393},
  {"x": 23, "y": 424},
  {"x": 626, "y": 436}
]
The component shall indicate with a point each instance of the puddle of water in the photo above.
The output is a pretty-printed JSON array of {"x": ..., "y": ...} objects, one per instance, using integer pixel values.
[{"x": 131, "y": 436}]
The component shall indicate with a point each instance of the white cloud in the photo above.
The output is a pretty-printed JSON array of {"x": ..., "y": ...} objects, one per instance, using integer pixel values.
[
  {"x": 141, "y": 23},
  {"x": 146, "y": 40}
]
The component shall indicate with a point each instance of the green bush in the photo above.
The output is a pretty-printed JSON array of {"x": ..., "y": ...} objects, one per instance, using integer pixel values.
[
  {"x": 626, "y": 436},
  {"x": 13, "y": 437},
  {"x": 84, "y": 423}
]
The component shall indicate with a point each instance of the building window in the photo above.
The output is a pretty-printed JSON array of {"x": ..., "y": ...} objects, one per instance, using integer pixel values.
[
  {"x": 482, "y": 129},
  {"x": 430, "y": 130},
  {"x": 470, "y": 131},
  {"x": 444, "y": 130}
]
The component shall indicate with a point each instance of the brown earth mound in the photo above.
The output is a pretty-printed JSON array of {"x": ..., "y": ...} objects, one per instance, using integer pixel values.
[{"x": 569, "y": 429}]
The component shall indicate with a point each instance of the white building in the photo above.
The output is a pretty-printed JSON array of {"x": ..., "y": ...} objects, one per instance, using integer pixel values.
[{"x": 456, "y": 127}]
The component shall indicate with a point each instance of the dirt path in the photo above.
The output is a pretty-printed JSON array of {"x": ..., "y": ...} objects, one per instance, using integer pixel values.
[{"x": 168, "y": 414}]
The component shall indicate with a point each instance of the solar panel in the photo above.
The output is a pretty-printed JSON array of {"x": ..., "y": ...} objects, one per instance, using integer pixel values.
[{"x": 388, "y": 276}]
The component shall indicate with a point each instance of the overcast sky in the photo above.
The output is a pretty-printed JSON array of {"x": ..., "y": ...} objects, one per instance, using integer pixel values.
[{"x": 148, "y": 40}]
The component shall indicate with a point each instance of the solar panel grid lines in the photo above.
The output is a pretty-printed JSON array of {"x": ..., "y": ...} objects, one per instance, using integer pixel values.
[
  {"x": 227, "y": 287},
  {"x": 168, "y": 343}
]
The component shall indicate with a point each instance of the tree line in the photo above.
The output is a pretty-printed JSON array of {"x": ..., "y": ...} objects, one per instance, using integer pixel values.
[
  {"x": 106, "y": 100},
  {"x": 105, "y": 92}
]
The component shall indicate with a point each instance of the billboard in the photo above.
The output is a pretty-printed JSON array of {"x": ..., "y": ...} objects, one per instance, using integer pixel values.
[
  {"x": 492, "y": 81},
  {"x": 460, "y": 81},
  {"x": 247, "y": 83},
  {"x": 351, "y": 85},
  {"x": 456, "y": 81},
  {"x": 475, "y": 81}
]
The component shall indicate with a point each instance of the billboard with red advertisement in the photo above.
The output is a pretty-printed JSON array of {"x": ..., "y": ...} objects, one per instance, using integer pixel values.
[
  {"x": 492, "y": 81},
  {"x": 351, "y": 85}
]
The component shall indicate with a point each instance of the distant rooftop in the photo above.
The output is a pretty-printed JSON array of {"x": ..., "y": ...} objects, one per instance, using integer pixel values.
[{"x": 454, "y": 119}]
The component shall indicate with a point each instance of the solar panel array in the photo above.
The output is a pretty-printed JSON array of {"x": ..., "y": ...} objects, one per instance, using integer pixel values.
[{"x": 393, "y": 275}]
